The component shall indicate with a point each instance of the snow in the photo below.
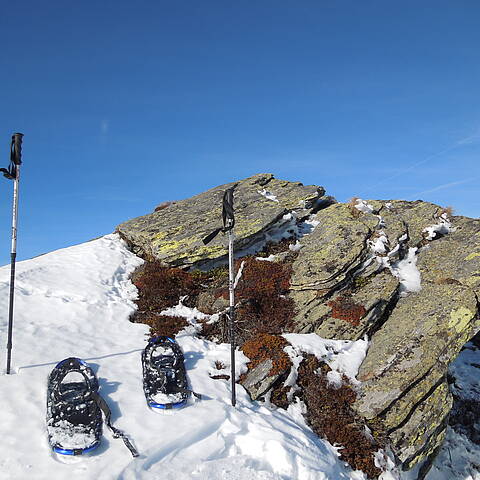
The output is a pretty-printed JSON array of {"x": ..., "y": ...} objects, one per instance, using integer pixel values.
[
  {"x": 295, "y": 247},
  {"x": 443, "y": 227},
  {"x": 342, "y": 356},
  {"x": 380, "y": 244},
  {"x": 270, "y": 258},
  {"x": 238, "y": 276},
  {"x": 76, "y": 302},
  {"x": 268, "y": 195},
  {"x": 407, "y": 272},
  {"x": 458, "y": 458},
  {"x": 69, "y": 436},
  {"x": 363, "y": 206}
]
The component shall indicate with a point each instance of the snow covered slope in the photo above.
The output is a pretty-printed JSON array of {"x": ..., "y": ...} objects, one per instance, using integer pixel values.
[{"x": 76, "y": 302}]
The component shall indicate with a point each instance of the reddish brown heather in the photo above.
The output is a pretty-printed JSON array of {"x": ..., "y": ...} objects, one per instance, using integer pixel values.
[
  {"x": 161, "y": 287},
  {"x": 164, "y": 325},
  {"x": 263, "y": 347},
  {"x": 344, "y": 308},
  {"x": 262, "y": 291},
  {"x": 352, "y": 207},
  {"x": 330, "y": 415}
]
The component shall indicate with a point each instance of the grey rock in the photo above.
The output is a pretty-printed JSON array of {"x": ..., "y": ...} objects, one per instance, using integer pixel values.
[
  {"x": 341, "y": 292},
  {"x": 258, "y": 380},
  {"x": 174, "y": 234}
]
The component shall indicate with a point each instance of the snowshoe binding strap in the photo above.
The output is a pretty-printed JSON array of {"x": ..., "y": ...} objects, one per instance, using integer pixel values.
[
  {"x": 187, "y": 391},
  {"x": 102, "y": 404}
]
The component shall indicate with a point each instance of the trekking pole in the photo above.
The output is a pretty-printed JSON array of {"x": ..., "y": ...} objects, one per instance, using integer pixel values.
[
  {"x": 231, "y": 315},
  {"x": 228, "y": 224},
  {"x": 13, "y": 173}
]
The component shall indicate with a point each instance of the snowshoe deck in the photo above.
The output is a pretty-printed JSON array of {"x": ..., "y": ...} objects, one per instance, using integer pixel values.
[
  {"x": 164, "y": 376},
  {"x": 74, "y": 420}
]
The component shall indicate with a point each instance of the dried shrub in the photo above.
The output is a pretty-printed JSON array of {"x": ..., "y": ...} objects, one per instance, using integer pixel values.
[
  {"x": 448, "y": 211},
  {"x": 344, "y": 308},
  {"x": 215, "y": 332},
  {"x": 330, "y": 416},
  {"x": 264, "y": 308},
  {"x": 164, "y": 325},
  {"x": 163, "y": 206},
  {"x": 263, "y": 347},
  {"x": 220, "y": 366},
  {"x": 161, "y": 287},
  {"x": 279, "y": 395},
  {"x": 352, "y": 207}
]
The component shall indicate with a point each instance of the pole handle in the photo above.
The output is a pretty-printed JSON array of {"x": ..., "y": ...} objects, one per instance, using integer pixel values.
[{"x": 16, "y": 148}]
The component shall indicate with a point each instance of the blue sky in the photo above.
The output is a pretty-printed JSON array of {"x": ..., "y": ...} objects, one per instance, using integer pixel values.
[{"x": 128, "y": 104}]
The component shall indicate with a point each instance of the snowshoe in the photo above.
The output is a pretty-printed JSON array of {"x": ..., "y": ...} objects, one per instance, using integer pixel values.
[
  {"x": 164, "y": 376},
  {"x": 74, "y": 419}
]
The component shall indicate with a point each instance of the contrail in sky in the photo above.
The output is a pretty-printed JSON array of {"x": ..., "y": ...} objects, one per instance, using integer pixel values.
[
  {"x": 458, "y": 143},
  {"x": 442, "y": 187}
]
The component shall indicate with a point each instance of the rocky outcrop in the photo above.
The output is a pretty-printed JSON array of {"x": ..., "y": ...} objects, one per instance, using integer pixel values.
[
  {"x": 408, "y": 276},
  {"x": 263, "y": 206}
]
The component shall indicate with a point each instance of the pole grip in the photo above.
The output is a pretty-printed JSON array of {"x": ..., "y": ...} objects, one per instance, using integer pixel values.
[{"x": 16, "y": 148}]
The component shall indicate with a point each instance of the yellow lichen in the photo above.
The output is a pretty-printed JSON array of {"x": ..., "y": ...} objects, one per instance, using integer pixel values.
[
  {"x": 168, "y": 247},
  {"x": 472, "y": 256},
  {"x": 160, "y": 235},
  {"x": 460, "y": 318}
]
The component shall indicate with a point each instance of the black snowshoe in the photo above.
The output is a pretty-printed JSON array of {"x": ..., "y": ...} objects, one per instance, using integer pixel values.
[
  {"x": 164, "y": 377},
  {"x": 74, "y": 410},
  {"x": 74, "y": 420}
]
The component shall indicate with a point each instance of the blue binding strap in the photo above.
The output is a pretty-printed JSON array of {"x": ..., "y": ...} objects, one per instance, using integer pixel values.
[
  {"x": 76, "y": 451},
  {"x": 167, "y": 406}
]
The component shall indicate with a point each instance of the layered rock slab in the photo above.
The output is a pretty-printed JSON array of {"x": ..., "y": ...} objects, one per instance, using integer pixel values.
[
  {"x": 345, "y": 286},
  {"x": 404, "y": 372},
  {"x": 174, "y": 234}
]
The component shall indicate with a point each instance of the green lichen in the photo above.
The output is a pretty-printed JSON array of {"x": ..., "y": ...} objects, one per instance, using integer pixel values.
[{"x": 472, "y": 256}]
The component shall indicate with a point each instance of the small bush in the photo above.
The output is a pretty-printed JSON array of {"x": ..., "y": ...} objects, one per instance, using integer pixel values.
[
  {"x": 272, "y": 248},
  {"x": 161, "y": 287},
  {"x": 220, "y": 366},
  {"x": 164, "y": 325},
  {"x": 279, "y": 395},
  {"x": 263, "y": 347},
  {"x": 352, "y": 207},
  {"x": 265, "y": 307},
  {"x": 330, "y": 416},
  {"x": 344, "y": 308}
]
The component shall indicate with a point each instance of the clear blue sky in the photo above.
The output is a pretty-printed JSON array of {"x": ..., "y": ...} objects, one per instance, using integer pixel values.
[{"x": 127, "y": 104}]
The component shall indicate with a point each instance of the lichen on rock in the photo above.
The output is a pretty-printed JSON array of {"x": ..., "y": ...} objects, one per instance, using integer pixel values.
[{"x": 174, "y": 234}]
